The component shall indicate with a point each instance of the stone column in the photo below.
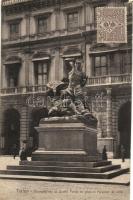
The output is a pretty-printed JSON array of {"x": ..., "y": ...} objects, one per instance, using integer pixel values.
[
  {"x": 1, "y": 124},
  {"x": 23, "y": 125},
  {"x": 27, "y": 27},
  {"x": 99, "y": 126},
  {"x": 22, "y": 72},
  {"x": 31, "y": 71},
  {"x": 61, "y": 69},
  {"x": 108, "y": 140},
  {"x": 26, "y": 76},
  {"x": 54, "y": 66},
  {"x": 109, "y": 117},
  {"x": 57, "y": 63},
  {"x": 56, "y": 19},
  {"x": 88, "y": 61},
  {"x": 4, "y": 77}
]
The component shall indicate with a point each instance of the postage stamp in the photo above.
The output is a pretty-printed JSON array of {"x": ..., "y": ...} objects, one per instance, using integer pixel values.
[{"x": 111, "y": 24}]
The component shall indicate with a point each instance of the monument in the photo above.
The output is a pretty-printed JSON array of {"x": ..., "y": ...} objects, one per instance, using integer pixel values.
[
  {"x": 70, "y": 130},
  {"x": 68, "y": 137}
]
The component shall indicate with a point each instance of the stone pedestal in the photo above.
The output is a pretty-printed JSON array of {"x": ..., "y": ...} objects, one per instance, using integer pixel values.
[
  {"x": 67, "y": 138},
  {"x": 67, "y": 148}
]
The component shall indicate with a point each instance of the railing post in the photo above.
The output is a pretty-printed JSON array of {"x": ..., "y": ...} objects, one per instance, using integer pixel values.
[
  {"x": 15, "y": 90},
  {"x": 109, "y": 79},
  {"x": 33, "y": 88},
  {"x": 24, "y": 90}
]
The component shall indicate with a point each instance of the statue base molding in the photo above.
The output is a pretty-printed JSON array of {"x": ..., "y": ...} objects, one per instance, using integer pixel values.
[{"x": 66, "y": 140}]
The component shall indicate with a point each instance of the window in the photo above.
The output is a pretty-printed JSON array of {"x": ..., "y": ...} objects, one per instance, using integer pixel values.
[
  {"x": 42, "y": 24},
  {"x": 12, "y": 75},
  {"x": 126, "y": 62},
  {"x": 72, "y": 20},
  {"x": 100, "y": 65},
  {"x": 40, "y": 73},
  {"x": 14, "y": 30}
]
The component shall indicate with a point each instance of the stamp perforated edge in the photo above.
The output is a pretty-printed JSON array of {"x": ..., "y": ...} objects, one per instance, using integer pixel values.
[{"x": 125, "y": 29}]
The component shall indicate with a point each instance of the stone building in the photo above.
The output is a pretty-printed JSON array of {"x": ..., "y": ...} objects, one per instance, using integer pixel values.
[{"x": 39, "y": 38}]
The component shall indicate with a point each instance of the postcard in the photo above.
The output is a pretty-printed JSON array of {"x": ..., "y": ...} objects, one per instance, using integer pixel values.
[{"x": 65, "y": 99}]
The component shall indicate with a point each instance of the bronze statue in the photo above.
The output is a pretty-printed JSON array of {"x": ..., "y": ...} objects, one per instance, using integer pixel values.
[{"x": 68, "y": 98}]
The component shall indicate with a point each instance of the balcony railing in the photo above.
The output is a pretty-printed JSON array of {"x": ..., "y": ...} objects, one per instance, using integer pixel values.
[
  {"x": 24, "y": 90},
  {"x": 11, "y": 2},
  {"x": 109, "y": 80},
  {"x": 92, "y": 81}
]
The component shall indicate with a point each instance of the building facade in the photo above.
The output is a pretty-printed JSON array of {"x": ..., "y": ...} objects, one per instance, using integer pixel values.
[{"x": 39, "y": 39}]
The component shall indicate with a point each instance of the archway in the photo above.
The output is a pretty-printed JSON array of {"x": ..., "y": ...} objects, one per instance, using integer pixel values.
[
  {"x": 11, "y": 130},
  {"x": 124, "y": 126},
  {"x": 36, "y": 115}
]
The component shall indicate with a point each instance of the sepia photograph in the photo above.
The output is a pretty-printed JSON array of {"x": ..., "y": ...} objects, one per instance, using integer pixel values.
[{"x": 65, "y": 99}]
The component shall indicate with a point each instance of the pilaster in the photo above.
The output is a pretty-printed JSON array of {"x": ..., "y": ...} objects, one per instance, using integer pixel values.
[
  {"x": 108, "y": 112},
  {"x": 23, "y": 125}
]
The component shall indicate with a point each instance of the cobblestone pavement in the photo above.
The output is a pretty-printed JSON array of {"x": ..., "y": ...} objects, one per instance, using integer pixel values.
[{"x": 45, "y": 190}]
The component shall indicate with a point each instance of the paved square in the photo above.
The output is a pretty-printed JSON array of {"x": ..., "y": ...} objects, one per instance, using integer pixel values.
[
  {"x": 35, "y": 190},
  {"x": 52, "y": 190}
]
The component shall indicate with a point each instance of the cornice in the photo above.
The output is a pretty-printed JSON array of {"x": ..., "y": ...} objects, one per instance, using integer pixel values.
[
  {"x": 72, "y": 7},
  {"x": 17, "y": 6},
  {"x": 44, "y": 14},
  {"x": 31, "y": 5},
  {"x": 6, "y": 3},
  {"x": 18, "y": 19},
  {"x": 46, "y": 41}
]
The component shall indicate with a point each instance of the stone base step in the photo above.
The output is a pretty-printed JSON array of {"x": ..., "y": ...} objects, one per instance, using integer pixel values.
[
  {"x": 65, "y": 169},
  {"x": 66, "y": 164},
  {"x": 65, "y": 157},
  {"x": 123, "y": 179},
  {"x": 105, "y": 175}
]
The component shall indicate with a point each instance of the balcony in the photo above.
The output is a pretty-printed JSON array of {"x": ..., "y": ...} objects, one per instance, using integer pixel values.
[
  {"x": 23, "y": 90},
  {"x": 11, "y": 2},
  {"x": 92, "y": 81},
  {"x": 109, "y": 80}
]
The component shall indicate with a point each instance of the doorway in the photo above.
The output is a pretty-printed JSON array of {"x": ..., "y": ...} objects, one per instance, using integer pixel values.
[
  {"x": 124, "y": 126},
  {"x": 11, "y": 130}
]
